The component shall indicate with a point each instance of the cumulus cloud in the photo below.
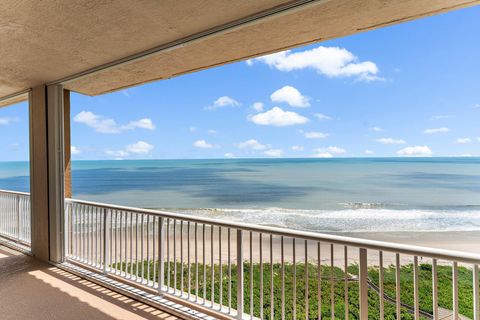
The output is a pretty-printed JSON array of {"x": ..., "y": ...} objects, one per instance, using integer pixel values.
[
  {"x": 204, "y": 144},
  {"x": 333, "y": 62},
  {"x": 376, "y": 129},
  {"x": 368, "y": 152},
  {"x": 315, "y": 135},
  {"x": 463, "y": 140},
  {"x": 436, "y": 130},
  {"x": 274, "y": 152},
  {"x": 416, "y": 151},
  {"x": 291, "y": 96},
  {"x": 144, "y": 123},
  {"x": 258, "y": 106},
  {"x": 390, "y": 141},
  {"x": 140, "y": 147},
  {"x": 229, "y": 155},
  {"x": 252, "y": 144},
  {"x": 328, "y": 152},
  {"x": 222, "y": 102},
  {"x": 321, "y": 116},
  {"x": 74, "y": 150},
  {"x": 297, "y": 148},
  {"x": 278, "y": 118},
  {"x": 137, "y": 148},
  {"x": 105, "y": 125}
]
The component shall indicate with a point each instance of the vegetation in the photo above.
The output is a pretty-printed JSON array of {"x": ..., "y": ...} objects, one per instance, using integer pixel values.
[{"x": 327, "y": 273}]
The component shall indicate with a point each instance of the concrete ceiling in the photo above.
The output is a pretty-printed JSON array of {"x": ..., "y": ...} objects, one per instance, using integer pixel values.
[{"x": 42, "y": 42}]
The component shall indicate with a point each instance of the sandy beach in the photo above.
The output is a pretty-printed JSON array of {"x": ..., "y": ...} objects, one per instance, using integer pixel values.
[{"x": 183, "y": 247}]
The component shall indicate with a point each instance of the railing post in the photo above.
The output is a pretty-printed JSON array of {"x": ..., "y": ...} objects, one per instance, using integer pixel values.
[
  {"x": 161, "y": 243},
  {"x": 17, "y": 208},
  {"x": 105, "y": 240},
  {"x": 363, "y": 275},
  {"x": 240, "y": 274},
  {"x": 476, "y": 306}
]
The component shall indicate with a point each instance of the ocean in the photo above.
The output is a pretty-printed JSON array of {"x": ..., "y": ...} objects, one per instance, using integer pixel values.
[{"x": 325, "y": 195}]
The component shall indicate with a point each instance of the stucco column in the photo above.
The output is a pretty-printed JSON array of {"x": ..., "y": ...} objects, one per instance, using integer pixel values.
[
  {"x": 47, "y": 172},
  {"x": 39, "y": 172}
]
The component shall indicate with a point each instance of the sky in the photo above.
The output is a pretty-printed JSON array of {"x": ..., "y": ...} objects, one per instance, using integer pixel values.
[{"x": 411, "y": 89}]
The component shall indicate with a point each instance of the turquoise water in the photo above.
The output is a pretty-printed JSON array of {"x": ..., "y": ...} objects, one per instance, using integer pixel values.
[{"x": 385, "y": 194}]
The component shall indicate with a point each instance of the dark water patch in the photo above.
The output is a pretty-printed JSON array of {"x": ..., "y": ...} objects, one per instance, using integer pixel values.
[
  {"x": 205, "y": 182},
  {"x": 429, "y": 180},
  {"x": 17, "y": 183}
]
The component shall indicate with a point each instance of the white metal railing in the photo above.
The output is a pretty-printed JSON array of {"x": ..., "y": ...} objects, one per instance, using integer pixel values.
[
  {"x": 251, "y": 271},
  {"x": 15, "y": 217}
]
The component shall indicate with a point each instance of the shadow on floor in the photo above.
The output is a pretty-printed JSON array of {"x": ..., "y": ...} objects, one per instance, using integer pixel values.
[{"x": 31, "y": 289}]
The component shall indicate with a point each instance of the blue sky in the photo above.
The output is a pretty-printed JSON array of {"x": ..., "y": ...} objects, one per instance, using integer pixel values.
[{"x": 406, "y": 90}]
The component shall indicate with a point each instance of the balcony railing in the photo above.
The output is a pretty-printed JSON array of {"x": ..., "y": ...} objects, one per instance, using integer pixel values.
[
  {"x": 250, "y": 271},
  {"x": 15, "y": 217}
]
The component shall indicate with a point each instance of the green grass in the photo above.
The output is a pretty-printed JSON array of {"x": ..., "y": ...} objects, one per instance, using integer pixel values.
[{"x": 425, "y": 288}]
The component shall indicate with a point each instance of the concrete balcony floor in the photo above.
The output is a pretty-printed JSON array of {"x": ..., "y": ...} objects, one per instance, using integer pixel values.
[{"x": 30, "y": 289}]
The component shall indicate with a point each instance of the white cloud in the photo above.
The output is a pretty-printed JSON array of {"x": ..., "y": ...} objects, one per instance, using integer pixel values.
[
  {"x": 252, "y": 144},
  {"x": 229, "y": 155},
  {"x": 323, "y": 155},
  {"x": 416, "y": 151},
  {"x": 478, "y": 139},
  {"x": 211, "y": 131},
  {"x": 117, "y": 154},
  {"x": 321, "y": 116},
  {"x": 376, "y": 129},
  {"x": 140, "y": 147},
  {"x": 5, "y": 121},
  {"x": 328, "y": 61},
  {"x": 390, "y": 141},
  {"x": 274, "y": 152},
  {"x": 106, "y": 125},
  {"x": 204, "y": 144},
  {"x": 192, "y": 129},
  {"x": 224, "y": 101},
  {"x": 297, "y": 148},
  {"x": 278, "y": 118},
  {"x": 74, "y": 150},
  {"x": 436, "y": 130},
  {"x": 368, "y": 152},
  {"x": 291, "y": 96},
  {"x": 328, "y": 152},
  {"x": 315, "y": 135},
  {"x": 463, "y": 140},
  {"x": 476, "y": 106},
  {"x": 144, "y": 123},
  {"x": 258, "y": 106},
  {"x": 439, "y": 117}
]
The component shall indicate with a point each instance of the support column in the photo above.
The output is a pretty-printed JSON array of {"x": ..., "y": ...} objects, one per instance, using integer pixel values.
[
  {"x": 47, "y": 172},
  {"x": 39, "y": 172},
  {"x": 56, "y": 165}
]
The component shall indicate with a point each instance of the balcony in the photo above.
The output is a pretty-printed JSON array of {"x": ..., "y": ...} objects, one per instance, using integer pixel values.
[{"x": 211, "y": 268}]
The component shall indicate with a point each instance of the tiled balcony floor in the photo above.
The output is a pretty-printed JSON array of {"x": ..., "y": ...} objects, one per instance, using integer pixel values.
[{"x": 30, "y": 289}]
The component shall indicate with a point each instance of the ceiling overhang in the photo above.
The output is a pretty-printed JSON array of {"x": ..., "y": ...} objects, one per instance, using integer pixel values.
[{"x": 98, "y": 47}]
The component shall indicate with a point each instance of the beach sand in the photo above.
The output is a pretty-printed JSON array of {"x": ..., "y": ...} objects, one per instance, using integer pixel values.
[{"x": 458, "y": 241}]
